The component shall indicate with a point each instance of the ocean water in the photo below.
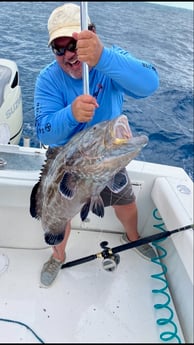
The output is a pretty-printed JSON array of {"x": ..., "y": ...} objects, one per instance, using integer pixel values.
[{"x": 159, "y": 34}]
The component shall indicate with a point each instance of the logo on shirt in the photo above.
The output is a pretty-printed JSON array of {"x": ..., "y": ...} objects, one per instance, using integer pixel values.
[
  {"x": 99, "y": 88},
  {"x": 47, "y": 127}
]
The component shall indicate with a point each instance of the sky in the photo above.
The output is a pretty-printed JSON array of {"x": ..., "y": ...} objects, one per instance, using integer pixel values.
[{"x": 180, "y": 4}]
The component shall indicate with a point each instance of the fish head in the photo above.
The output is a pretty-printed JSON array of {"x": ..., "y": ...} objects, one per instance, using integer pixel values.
[
  {"x": 104, "y": 135},
  {"x": 106, "y": 147}
]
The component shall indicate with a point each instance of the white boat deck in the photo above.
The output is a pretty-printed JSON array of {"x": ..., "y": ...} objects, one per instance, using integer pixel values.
[
  {"x": 136, "y": 303},
  {"x": 86, "y": 304}
]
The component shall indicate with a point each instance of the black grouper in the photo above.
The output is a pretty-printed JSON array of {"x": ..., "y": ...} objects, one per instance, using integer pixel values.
[{"x": 75, "y": 174}]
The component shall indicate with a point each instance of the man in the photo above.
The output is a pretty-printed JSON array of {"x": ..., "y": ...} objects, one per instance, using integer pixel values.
[{"x": 61, "y": 108}]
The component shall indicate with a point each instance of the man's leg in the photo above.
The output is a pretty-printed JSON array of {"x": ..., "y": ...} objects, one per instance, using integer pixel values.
[
  {"x": 52, "y": 267},
  {"x": 127, "y": 214},
  {"x": 59, "y": 250}
]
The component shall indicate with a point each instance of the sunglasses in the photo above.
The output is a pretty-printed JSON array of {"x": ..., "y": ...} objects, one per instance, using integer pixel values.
[{"x": 71, "y": 47}]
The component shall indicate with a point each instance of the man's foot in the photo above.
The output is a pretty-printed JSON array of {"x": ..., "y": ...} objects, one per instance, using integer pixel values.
[
  {"x": 49, "y": 271},
  {"x": 145, "y": 250}
]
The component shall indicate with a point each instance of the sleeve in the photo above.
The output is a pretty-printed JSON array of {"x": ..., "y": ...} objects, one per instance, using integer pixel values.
[
  {"x": 136, "y": 78},
  {"x": 54, "y": 121}
]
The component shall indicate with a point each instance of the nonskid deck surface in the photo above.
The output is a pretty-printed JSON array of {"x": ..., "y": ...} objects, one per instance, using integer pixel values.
[{"x": 86, "y": 304}]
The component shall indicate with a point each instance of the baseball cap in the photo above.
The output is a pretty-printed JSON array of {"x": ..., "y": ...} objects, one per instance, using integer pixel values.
[{"x": 63, "y": 21}]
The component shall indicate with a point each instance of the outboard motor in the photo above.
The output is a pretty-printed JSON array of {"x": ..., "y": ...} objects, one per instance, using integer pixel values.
[{"x": 11, "y": 111}]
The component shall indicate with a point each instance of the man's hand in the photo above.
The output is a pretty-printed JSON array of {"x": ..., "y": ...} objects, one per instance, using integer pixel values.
[
  {"x": 83, "y": 108},
  {"x": 89, "y": 47}
]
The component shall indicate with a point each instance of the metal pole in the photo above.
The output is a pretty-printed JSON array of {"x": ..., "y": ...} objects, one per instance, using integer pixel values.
[{"x": 84, "y": 26}]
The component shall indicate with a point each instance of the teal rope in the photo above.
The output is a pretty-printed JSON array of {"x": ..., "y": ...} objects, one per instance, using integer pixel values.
[
  {"x": 23, "y": 324},
  {"x": 165, "y": 336}
]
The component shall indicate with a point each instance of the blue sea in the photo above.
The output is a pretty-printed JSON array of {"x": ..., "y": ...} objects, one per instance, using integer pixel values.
[{"x": 156, "y": 33}]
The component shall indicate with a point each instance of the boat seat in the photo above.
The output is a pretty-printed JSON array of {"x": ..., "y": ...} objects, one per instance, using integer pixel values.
[
  {"x": 173, "y": 198},
  {"x": 5, "y": 75}
]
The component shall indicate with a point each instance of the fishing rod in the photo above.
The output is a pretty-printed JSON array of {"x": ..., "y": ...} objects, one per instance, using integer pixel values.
[
  {"x": 84, "y": 26},
  {"x": 110, "y": 256}
]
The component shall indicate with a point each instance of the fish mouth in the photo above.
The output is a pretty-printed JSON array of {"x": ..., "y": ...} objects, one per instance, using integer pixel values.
[{"x": 121, "y": 132}]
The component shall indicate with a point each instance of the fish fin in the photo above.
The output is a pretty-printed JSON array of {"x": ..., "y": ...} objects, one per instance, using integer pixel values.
[
  {"x": 85, "y": 210},
  {"x": 95, "y": 204},
  {"x": 33, "y": 206},
  {"x": 54, "y": 239},
  {"x": 67, "y": 186},
  {"x": 118, "y": 182}
]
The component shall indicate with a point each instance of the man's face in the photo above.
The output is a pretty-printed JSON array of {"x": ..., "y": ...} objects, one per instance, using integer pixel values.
[{"x": 68, "y": 60}]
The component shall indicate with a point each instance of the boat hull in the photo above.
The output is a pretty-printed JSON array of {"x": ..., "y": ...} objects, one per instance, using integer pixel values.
[{"x": 91, "y": 304}]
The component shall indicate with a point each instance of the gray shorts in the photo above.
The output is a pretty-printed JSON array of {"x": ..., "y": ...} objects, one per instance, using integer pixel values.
[{"x": 126, "y": 196}]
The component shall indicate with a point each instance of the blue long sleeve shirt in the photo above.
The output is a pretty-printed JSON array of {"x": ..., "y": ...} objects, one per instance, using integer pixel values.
[{"x": 117, "y": 73}]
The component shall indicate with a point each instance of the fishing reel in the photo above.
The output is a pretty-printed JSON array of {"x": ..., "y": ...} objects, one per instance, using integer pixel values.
[{"x": 111, "y": 260}]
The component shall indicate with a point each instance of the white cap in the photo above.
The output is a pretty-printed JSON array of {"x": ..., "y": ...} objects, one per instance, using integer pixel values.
[{"x": 63, "y": 21}]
